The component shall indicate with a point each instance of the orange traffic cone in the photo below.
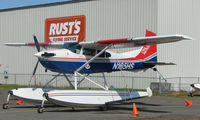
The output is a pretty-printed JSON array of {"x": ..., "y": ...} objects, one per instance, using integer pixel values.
[
  {"x": 135, "y": 111},
  {"x": 189, "y": 103},
  {"x": 20, "y": 102}
]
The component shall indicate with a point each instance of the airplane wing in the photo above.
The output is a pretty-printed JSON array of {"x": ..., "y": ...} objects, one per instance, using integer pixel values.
[
  {"x": 116, "y": 43},
  {"x": 134, "y": 42}
]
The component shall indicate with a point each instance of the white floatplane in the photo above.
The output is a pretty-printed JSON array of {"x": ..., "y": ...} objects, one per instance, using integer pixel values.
[
  {"x": 92, "y": 98},
  {"x": 194, "y": 87},
  {"x": 84, "y": 58}
]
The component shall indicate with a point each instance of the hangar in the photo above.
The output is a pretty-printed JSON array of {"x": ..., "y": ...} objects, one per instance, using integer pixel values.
[{"x": 106, "y": 19}]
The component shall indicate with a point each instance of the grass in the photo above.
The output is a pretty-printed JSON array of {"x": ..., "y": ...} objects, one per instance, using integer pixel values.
[
  {"x": 127, "y": 89},
  {"x": 173, "y": 94},
  {"x": 12, "y": 86}
]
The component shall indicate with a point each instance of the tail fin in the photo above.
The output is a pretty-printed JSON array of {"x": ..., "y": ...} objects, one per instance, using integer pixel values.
[
  {"x": 152, "y": 48},
  {"x": 148, "y": 51}
]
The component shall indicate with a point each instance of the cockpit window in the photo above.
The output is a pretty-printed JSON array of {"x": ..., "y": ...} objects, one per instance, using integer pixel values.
[
  {"x": 104, "y": 54},
  {"x": 93, "y": 52},
  {"x": 74, "y": 47},
  {"x": 90, "y": 52}
]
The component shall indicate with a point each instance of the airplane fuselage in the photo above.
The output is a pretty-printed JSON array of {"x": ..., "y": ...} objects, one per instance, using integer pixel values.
[{"x": 65, "y": 61}]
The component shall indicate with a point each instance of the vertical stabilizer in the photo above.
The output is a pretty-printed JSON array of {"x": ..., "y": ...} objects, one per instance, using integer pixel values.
[{"x": 150, "y": 51}]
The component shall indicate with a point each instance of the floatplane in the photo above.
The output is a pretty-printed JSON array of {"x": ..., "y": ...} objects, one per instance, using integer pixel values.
[
  {"x": 81, "y": 59},
  {"x": 194, "y": 87}
]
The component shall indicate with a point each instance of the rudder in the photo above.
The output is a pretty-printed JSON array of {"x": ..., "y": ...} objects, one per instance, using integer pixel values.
[{"x": 149, "y": 51}]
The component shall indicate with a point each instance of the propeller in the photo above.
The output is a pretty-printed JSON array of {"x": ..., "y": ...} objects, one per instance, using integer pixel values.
[
  {"x": 38, "y": 49},
  {"x": 36, "y": 43},
  {"x": 34, "y": 71},
  {"x": 45, "y": 54}
]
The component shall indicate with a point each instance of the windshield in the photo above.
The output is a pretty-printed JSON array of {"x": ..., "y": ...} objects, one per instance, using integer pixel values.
[{"x": 74, "y": 47}]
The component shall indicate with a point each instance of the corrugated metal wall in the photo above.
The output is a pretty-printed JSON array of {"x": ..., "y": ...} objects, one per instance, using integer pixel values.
[
  {"x": 180, "y": 17},
  {"x": 105, "y": 19}
]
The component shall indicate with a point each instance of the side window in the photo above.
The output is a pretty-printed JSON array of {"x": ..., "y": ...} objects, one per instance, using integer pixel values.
[
  {"x": 77, "y": 49},
  {"x": 104, "y": 54},
  {"x": 74, "y": 47},
  {"x": 90, "y": 52},
  {"x": 108, "y": 54}
]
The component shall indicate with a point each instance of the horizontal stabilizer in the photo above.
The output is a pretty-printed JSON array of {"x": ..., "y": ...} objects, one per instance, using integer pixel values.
[
  {"x": 152, "y": 64},
  {"x": 158, "y": 63}
]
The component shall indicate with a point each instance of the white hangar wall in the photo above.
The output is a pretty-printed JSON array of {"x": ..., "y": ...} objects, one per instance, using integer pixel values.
[{"x": 180, "y": 17}]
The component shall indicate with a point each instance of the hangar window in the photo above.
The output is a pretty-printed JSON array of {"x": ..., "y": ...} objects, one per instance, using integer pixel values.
[{"x": 72, "y": 46}]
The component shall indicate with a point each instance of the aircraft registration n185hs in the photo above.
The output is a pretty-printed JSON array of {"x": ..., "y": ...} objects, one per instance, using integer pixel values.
[{"x": 84, "y": 58}]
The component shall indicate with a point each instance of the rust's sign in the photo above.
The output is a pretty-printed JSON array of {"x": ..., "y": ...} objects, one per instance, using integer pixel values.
[{"x": 65, "y": 29}]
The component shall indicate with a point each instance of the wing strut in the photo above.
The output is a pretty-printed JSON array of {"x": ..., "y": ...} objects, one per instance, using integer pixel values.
[
  {"x": 51, "y": 80},
  {"x": 68, "y": 81},
  {"x": 105, "y": 81},
  {"x": 83, "y": 79},
  {"x": 76, "y": 73}
]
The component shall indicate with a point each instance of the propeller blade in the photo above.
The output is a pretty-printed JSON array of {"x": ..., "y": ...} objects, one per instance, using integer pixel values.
[
  {"x": 36, "y": 43},
  {"x": 34, "y": 71}
]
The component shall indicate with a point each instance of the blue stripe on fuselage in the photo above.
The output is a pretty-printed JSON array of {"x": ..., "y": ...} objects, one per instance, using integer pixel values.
[{"x": 94, "y": 67}]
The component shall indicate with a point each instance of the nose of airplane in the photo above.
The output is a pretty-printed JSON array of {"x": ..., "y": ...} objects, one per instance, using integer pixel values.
[
  {"x": 44, "y": 54},
  {"x": 39, "y": 54}
]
